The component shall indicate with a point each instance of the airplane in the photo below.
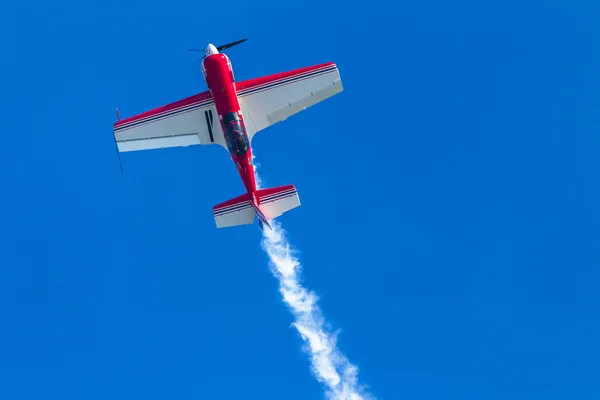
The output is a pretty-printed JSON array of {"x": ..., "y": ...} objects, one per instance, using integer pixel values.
[{"x": 229, "y": 114}]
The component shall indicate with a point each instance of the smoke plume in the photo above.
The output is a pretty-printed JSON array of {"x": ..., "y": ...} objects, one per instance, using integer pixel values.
[{"x": 328, "y": 364}]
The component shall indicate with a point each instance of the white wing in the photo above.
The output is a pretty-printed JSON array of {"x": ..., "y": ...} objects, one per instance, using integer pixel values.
[
  {"x": 186, "y": 122},
  {"x": 270, "y": 99}
]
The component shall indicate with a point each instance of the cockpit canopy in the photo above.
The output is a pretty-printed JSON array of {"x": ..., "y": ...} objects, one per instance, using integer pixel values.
[{"x": 235, "y": 134}]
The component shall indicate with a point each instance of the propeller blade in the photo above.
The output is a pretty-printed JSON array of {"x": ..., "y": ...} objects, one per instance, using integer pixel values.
[{"x": 228, "y": 45}]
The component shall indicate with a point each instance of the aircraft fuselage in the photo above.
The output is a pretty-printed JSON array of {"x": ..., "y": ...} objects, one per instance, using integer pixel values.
[{"x": 219, "y": 78}]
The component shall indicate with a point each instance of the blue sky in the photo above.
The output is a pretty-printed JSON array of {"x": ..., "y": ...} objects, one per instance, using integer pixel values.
[{"x": 449, "y": 219}]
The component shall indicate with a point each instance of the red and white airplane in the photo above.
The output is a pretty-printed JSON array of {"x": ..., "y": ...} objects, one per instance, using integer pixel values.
[{"x": 242, "y": 109}]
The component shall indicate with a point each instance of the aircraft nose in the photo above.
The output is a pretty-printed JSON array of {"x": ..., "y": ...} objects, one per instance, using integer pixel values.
[{"x": 211, "y": 49}]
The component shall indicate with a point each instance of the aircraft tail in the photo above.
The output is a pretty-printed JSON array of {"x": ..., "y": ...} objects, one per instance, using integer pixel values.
[{"x": 266, "y": 204}]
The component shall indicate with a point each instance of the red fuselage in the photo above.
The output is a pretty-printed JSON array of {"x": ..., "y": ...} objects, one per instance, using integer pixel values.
[{"x": 219, "y": 78}]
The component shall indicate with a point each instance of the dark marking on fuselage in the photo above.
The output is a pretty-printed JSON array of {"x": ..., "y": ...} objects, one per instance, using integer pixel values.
[{"x": 209, "y": 123}]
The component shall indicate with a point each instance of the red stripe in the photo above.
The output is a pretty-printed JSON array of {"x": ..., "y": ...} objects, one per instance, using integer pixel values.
[
  {"x": 270, "y": 79},
  {"x": 188, "y": 101}
]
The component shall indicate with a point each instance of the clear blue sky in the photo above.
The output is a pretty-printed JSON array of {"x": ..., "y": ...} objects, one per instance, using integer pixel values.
[{"x": 450, "y": 197}]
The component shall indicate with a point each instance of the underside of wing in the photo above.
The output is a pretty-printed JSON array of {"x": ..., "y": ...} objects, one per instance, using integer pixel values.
[
  {"x": 270, "y": 99},
  {"x": 190, "y": 121}
]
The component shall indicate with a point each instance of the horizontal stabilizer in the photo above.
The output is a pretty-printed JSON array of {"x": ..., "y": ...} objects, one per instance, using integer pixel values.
[
  {"x": 275, "y": 201},
  {"x": 238, "y": 211},
  {"x": 266, "y": 204}
]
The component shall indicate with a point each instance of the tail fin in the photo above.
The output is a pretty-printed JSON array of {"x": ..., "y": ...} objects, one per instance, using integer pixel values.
[
  {"x": 262, "y": 220},
  {"x": 266, "y": 204}
]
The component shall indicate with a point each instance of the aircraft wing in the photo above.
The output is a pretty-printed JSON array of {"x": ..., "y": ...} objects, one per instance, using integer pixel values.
[
  {"x": 273, "y": 98},
  {"x": 186, "y": 122}
]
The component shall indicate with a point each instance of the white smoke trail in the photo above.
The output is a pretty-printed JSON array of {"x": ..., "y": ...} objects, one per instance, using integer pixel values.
[{"x": 328, "y": 364}]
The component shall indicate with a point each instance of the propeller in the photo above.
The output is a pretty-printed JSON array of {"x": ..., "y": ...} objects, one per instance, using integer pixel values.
[
  {"x": 222, "y": 47},
  {"x": 228, "y": 45},
  {"x": 201, "y": 58}
]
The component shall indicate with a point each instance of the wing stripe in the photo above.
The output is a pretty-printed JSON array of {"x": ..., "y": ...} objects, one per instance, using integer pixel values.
[
  {"x": 232, "y": 208},
  {"x": 163, "y": 115},
  {"x": 327, "y": 68},
  {"x": 275, "y": 196},
  {"x": 220, "y": 214},
  {"x": 270, "y": 85}
]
